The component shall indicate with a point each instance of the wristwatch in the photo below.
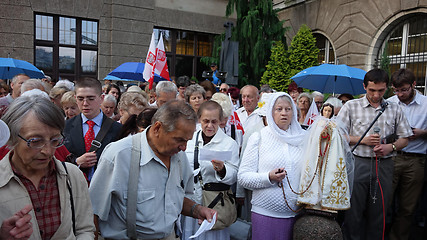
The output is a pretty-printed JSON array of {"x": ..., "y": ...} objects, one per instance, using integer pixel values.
[{"x": 394, "y": 147}]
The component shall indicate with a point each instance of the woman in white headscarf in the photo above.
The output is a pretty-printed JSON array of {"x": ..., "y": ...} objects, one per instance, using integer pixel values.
[{"x": 273, "y": 157}]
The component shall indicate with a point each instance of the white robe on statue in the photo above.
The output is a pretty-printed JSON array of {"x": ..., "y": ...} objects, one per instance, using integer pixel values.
[{"x": 324, "y": 178}]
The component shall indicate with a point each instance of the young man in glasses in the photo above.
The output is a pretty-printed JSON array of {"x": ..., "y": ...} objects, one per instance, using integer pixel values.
[
  {"x": 82, "y": 133},
  {"x": 408, "y": 175}
]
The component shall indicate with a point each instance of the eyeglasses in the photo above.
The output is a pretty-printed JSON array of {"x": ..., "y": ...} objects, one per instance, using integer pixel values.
[
  {"x": 403, "y": 90},
  {"x": 223, "y": 90},
  {"x": 39, "y": 143},
  {"x": 319, "y": 102}
]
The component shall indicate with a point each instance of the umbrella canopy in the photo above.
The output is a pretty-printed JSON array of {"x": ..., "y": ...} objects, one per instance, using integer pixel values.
[
  {"x": 132, "y": 71},
  {"x": 114, "y": 78},
  {"x": 329, "y": 78},
  {"x": 9, "y": 67}
]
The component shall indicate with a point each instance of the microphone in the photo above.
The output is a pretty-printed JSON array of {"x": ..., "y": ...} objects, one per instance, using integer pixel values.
[
  {"x": 383, "y": 106},
  {"x": 377, "y": 130}
]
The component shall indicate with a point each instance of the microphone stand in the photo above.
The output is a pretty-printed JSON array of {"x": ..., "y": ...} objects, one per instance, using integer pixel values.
[{"x": 383, "y": 107}]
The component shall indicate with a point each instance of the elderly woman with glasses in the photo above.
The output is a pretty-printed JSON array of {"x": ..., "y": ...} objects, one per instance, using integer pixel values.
[
  {"x": 213, "y": 174},
  {"x": 40, "y": 197}
]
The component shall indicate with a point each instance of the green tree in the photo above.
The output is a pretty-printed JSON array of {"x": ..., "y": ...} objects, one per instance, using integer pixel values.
[
  {"x": 303, "y": 51},
  {"x": 284, "y": 64},
  {"x": 257, "y": 27},
  {"x": 277, "y": 71}
]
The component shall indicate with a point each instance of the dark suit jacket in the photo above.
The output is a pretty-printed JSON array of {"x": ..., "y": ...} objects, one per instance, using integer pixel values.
[{"x": 74, "y": 139}]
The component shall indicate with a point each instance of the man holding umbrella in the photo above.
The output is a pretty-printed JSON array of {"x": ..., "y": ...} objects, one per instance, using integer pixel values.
[{"x": 373, "y": 174}]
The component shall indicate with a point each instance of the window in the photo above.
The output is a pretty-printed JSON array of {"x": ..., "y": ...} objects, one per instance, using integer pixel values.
[
  {"x": 66, "y": 47},
  {"x": 406, "y": 47},
  {"x": 326, "y": 52},
  {"x": 184, "y": 50}
]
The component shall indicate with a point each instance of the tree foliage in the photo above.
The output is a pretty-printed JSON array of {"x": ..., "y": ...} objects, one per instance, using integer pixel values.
[
  {"x": 277, "y": 68},
  {"x": 257, "y": 27},
  {"x": 303, "y": 52},
  {"x": 284, "y": 63}
]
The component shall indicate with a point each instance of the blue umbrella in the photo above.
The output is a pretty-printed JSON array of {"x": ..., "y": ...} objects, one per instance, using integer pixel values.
[
  {"x": 114, "y": 78},
  {"x": 9, "y": 67},
  {"x": 329, "y": 78},
  {"x": 132, "y": 71}
]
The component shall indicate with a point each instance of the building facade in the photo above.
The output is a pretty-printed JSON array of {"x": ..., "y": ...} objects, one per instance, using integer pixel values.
[
  {"x": 89, "y": 38},
  {"x": 364, "y": 33}
]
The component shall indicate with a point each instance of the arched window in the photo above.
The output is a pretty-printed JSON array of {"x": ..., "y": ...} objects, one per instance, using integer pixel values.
[
  {"x": 326, "y": 51},
  {"x": 406, "y": 47}
]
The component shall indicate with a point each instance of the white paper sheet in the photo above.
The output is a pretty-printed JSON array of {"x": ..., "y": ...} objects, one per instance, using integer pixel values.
[
  {"x": 205, "y": 226},
  {"x": 208, "y": 155}
]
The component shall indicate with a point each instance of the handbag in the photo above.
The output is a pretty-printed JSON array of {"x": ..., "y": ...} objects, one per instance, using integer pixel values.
[
  {"x": 223, "y": 202},
  {"x": 217, "y": 196}
]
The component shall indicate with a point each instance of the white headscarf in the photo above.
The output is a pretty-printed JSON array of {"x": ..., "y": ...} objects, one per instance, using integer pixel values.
[{"x": 295, "y": 134}]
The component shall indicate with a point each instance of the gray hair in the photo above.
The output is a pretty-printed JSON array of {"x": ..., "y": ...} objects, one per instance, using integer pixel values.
[
  {"x": 266, "y": 89},
  {"x": 48, "y": 78},
  {"x": 57, "y": 91},
  {"x": 225, "y": 102},
  {"x": 317, "y": 94},
  {"x": 304, "y": 94},
  {"x": 194, "y": 88},
  {"x": 32, "y": 84},
  {"x": 110, "y": 98},
  {"x": 171, "y": 112},
  {"x": 16, "y": 77},
  {"x": 44, "y": 110},
  {"x": 132, "y": 99},
  {"x": 334, "y": 101},
  {"x": 35, "y": 92},
  {"x": 166, "y": 87}
]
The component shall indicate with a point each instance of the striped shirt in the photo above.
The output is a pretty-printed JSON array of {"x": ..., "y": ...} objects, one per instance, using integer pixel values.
[{"x": 356, "y": 115}]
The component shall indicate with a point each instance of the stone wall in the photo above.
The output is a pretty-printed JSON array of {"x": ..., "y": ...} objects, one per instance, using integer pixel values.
[
  {"x": 354, "y": 27},
  {"x": 125, "y": 26}
]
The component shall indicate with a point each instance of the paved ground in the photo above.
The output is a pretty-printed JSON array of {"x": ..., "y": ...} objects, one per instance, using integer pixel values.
[{"x": 239, "y": 231}]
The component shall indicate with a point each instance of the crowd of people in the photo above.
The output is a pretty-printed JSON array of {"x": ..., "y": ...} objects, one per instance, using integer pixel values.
[{"x": 87, "y": 161}]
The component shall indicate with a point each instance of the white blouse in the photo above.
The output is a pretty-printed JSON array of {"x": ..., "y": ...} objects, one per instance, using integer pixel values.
[
  {"x": 220, "y": 142},
  {"x": 265, "y": 152}
]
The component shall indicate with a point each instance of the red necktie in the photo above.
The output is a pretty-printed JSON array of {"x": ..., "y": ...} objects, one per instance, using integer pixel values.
[{"x": 90, "y": 135}]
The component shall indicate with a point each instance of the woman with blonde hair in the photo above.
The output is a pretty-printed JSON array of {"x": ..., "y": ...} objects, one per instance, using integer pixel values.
[
  {"x": 69, "y": 104},
  {"x": 131, "y": 103}
]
